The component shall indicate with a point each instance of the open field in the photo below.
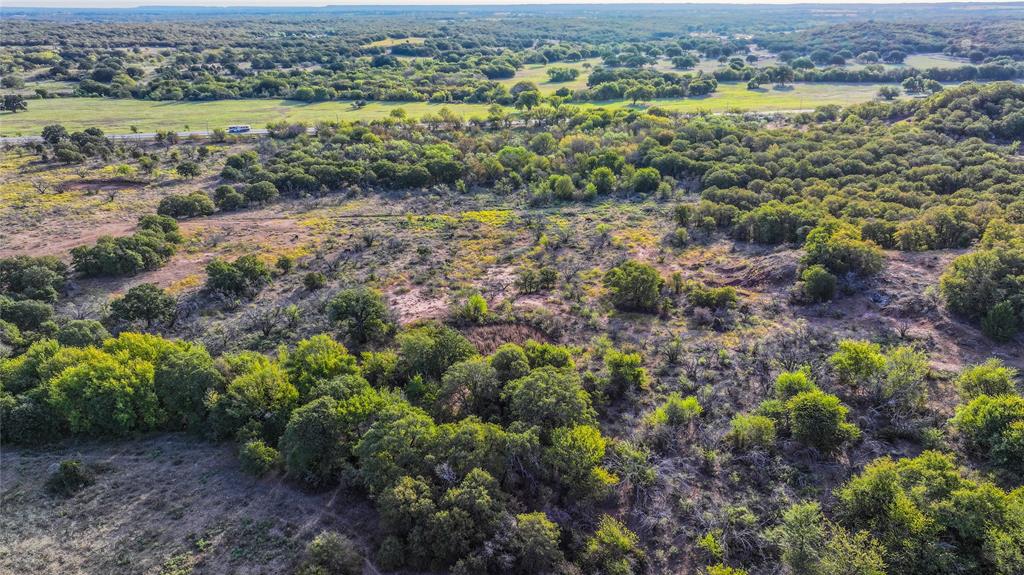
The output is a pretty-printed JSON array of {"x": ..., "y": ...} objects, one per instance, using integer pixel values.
[
  {"x": 389, "y": 42},
  {"x": 118, "y": 116},
  {"x": 167, "y": 504},
  {"x": 538, "y": 74},
  {"x": 942, "y": 61}
]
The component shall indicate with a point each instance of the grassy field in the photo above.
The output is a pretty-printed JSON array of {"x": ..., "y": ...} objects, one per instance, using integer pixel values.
[
  {"x": 118, "y": 116},
  {"x": 942, "y": 61},
  {"x": 389, "y": 42},
  {"x": 538, "y": 74}
]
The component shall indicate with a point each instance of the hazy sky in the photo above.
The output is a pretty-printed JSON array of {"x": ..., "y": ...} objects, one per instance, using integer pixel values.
[{"x": 299, "y": 3}]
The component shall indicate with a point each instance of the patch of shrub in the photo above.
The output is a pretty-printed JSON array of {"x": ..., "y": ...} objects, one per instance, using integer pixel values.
[
  {"x": 818, "y": 420},
  {"x": 331, "y": 553},
  {"x": 634, "y": 286},
  {"x": 838, "y": 248},
  {"x": 988, "y": 378},
  {"x": 27, "y": 277},
  {"x": 190, "y": 205},
  {"x": 750, "y": 431},
  {"x": 147, "y": 249},
  {"x": 242, "y": 278},
  {"x": 71, "y": 476},
  {"x": 818, "y": 285},
  {"x": 257, "y": 458},
  {"x": 361, "y": 314}
]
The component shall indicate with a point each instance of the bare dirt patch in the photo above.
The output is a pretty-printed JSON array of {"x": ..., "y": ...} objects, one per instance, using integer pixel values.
[{"x": 161, "y": 505}]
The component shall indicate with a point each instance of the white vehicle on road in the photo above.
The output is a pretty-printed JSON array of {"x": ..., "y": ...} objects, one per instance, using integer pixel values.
[{"x": 238, "y": 129}]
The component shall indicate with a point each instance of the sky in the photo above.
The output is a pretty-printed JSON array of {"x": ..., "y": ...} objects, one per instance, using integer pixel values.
[{"x": 314, "y": 3}]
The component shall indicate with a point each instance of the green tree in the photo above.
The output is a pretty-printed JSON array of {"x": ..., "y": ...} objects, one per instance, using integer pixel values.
[
  {"x": 261, "y": 396},
  {"x": 144, "y": 302},
  {"x": 801, "y": 536},
  {"x": 818, "y": 420},
  {"x": 634, "y": 286},
  {"x": 317, "y": 359},
  {"x": 313, "y": 444},
  {"x": 429, "y": 350},
  {"x": 182, "y": 380},
  {"x": 838, "y": 247},
  {"x": 549, "y": 398},
  {"x": 361, "y": 313},
  {"x": 107, "y": 395},
  {"x": 613, "y": 549},
  {"x": 535, "y": 544},
  {"x": 988, "y": 378}
]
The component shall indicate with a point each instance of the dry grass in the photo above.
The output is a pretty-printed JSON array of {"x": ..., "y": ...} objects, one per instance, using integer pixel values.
[{"x": 165, "y": 505}]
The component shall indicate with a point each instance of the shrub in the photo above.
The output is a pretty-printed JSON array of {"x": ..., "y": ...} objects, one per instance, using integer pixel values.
[
  {"x": 539, "y": 354},
  {"x": 242, "y": 278},
  {"x": 646, "y": 180},
  {"x": 379, "y": 367},
  {"x": 801, "y": 536},
  {"x": 331, "y": 553},
  {"x": 147, "y": 249},
  {"x": 818, "y": 284},
  {"x": 313, "y": 281},
  {"x": 257, "y": 458},
  {"x": 472, "y": 387},
  {"x": 429, "y": 350},
  {"x": 634, "y": 286},
  {"x": 989, "y": 378},
  {"x": 676, "y": 411},
  {"x": 613, "y": 549},
  {"x": 857, "y": 362},
  {"x": 549, "y": 398},
  {"x": 30, "y": 418},
  {"x": 1001, "y": 323},
  {"x": 228, "y": 199},
  {"x": 928, "y": 514},
  {"x": 361, "y": 313},
  {"x": 70, "y": 477},
  {"x": 261, "y": 396},
  {"x": 747, "y": 431},
  {"x": 318, "y": 359},
  {"x": 190, "y": 205},
  {"x": 27, "y": 277},
  {"x": 575, "y": 456},
  {"x": 473, "y": 310},
  {"x": 624, "y": 372},
  {"x": 535, "y": 544},
  {"x": 838, "y": 247},
  {"x": 82, "y": 333},
  {"x": 792, "y": 383},
  {"x": 397, "y": 444},
  {"x": 261, "y": 192},
  {"x": 29, "y": 369},
  {"x": 993, "y": 425},
  {"x": 144, "y": 302},
  {"x": 713, "y": 298},
  {"x": 26, "y": 315},
  {"x": 510, "y": 362},
  {"x": 818, "y": 420},
  {"x": 977, "y": 282}
]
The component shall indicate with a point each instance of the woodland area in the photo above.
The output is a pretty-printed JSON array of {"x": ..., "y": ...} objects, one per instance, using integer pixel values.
[{"x": 551, "y": 339}]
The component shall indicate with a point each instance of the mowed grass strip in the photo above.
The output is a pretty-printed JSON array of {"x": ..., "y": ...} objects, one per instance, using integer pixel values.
[{"x": 118, "y": 116}]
